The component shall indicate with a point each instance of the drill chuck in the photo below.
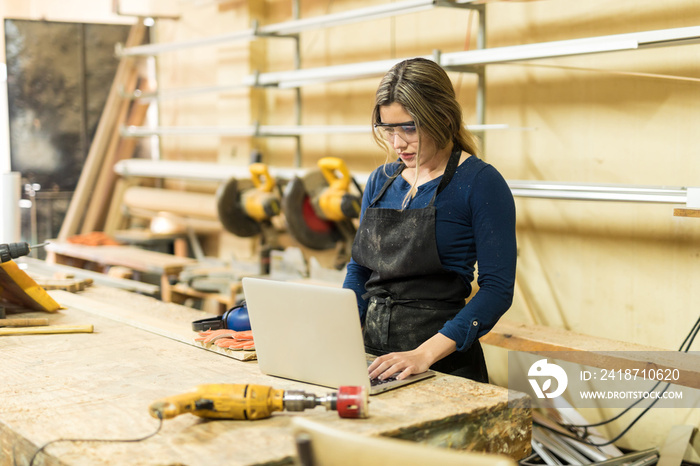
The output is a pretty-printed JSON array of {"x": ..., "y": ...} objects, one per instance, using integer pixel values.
[
  {"x": 9, "y": 251},
  {"x": 348, "y": 401}
]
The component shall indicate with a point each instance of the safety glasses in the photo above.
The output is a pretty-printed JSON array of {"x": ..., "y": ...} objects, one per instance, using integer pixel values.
[{"x": 406, "y": 131}]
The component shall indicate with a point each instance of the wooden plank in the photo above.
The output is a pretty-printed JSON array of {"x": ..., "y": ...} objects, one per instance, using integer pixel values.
[
  {"x": 95, "y": 204},
  {"x": 593, "y": 351},
  {"x": 115, "y": 217},
  {"x": 100, "y": 385},
  {"x": 126, "y": 256},
  {"x": 120, "y": 148},
  {"x": 40, "y": 266},
  {"x": 685, "y": 212},
  {"x": 93, "y": 163}
]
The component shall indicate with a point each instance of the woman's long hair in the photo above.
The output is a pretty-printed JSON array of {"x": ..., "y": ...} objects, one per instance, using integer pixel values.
[{"x": 425, "y": 91}]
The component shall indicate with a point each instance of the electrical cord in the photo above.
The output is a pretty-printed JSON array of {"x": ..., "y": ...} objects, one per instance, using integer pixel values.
[
  {"x": 140, "y": 439},
  {"x": 689, "y": 339}
]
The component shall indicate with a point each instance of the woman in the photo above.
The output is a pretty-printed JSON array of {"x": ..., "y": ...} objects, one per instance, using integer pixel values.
[{"x": 426, "y": 220}]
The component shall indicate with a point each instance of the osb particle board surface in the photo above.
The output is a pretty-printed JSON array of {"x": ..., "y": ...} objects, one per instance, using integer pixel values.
[{"x": 101, "y": 384}]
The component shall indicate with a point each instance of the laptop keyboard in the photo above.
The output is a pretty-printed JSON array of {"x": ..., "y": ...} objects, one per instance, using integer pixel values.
[{"x": 375, "y": 382}]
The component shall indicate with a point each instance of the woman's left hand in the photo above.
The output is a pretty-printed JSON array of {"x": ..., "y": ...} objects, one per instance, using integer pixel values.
[{"x": 412, "y": 362}]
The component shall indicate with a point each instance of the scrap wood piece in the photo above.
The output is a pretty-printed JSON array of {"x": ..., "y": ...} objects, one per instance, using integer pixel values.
[
  {"x": 67, "y": 284},
  {"x": 18, "y": 288},
  {"x": 48, "y": 329}
]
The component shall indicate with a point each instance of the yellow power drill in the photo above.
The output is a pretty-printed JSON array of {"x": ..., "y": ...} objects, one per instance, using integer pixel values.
[{"x": 248, "y": 401}]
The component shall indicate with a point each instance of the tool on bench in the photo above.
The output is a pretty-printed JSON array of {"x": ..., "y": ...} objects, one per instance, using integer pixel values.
[
  {"x": 319, "y": 208},
  {"x": 23, "y": 322},
  {"x": 235, "y": 318},
  {"x": 248, "y": 401},
  {"x": 9, "y": 251}
]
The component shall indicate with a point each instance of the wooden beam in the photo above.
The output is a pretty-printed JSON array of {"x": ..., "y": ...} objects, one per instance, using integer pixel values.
[
  {"x": 684, "y": 212},
  {"x": 104, "y": 183},
  {"x": 593, "y": 351}
]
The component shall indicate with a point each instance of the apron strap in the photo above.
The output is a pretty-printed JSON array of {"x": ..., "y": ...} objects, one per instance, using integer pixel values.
[
  {"x": 388, "y": 183},
  {"x": 450, "y": 170},
  {"x": 384, "y": 297}
]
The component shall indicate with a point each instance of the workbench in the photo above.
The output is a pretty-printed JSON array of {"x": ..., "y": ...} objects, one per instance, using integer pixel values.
[
  {"x": 166, "y": 266},
  {"x": 100, "y": 385}
]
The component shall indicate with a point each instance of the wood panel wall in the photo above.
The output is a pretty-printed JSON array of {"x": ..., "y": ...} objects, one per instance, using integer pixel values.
[{"x": 616, "y": 270}]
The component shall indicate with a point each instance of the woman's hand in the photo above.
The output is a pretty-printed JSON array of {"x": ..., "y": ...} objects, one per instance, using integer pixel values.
[{"x": 414, "y": 361}]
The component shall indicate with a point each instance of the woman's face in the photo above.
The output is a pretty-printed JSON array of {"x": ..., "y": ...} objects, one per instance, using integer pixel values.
[{"x": 405, "y": 142}]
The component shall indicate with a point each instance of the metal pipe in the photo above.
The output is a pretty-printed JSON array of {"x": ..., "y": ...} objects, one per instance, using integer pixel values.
[
  {"x": 529, "y": 189},
  {"x": 465, "y": 61},
  {"x": 267, "y": 131},
  {"x": 295, "y": 26},
  {"x": 598, "y": 192}
]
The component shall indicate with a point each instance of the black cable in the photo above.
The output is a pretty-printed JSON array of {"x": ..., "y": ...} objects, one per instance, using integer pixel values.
[
  {"x": 691, "y": 336},
  {"x": 689, "y": 339},
  {"x": 610, "y": 442},
  {"x": 140, "y": 439}
]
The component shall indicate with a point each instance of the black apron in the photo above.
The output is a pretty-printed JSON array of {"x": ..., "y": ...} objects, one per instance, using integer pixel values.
[{"x": 411, "y": 295}]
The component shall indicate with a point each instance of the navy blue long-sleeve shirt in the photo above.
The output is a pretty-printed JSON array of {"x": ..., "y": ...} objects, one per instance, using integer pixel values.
[{"x": 475, "y": 223}]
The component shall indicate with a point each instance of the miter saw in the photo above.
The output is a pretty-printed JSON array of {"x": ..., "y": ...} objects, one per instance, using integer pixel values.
[
  {"x": 319, "y": 208},
  {"x": 246, "y": 208}
]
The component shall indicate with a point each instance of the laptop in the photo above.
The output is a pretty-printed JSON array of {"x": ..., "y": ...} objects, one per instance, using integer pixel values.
[{"x": 312, "y": 334}]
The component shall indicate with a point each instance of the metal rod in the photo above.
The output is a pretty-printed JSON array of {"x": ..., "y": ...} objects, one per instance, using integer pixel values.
[
  {"x": 598, "y": 192},
  {"x": 529, "y": 189},
  {"x": 466, "y": 61},
  {"x": 268, "y": 131},
  {"x": 297, "y": 93},
  {"x": 295, "y": 26}
]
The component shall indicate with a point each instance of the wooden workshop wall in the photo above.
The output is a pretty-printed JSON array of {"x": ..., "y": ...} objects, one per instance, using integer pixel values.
[
  {"x": 624, "y": 271},
  {"x": 619, "y": 270}
]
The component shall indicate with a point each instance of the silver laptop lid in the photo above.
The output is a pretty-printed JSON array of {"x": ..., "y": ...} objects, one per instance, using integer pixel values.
[{"x": 308, "y": 333}]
